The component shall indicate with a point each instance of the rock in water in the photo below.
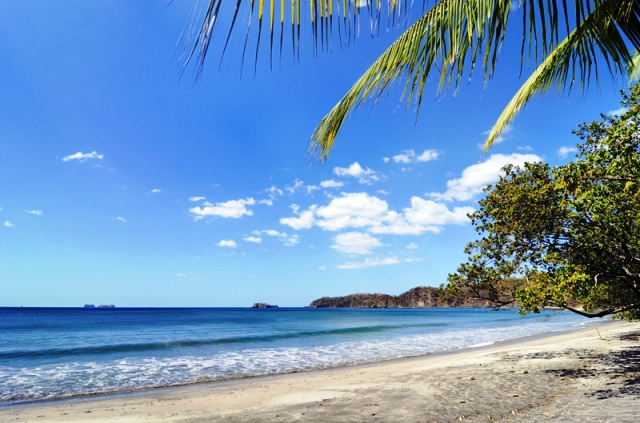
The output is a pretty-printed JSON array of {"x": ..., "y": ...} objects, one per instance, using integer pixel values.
[{"x": 264, "y": 305}]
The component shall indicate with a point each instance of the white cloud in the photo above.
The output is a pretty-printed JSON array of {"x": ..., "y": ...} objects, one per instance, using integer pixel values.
[
  {"x": 475, "y": 177},
  {"x": 227, "y": 243},
  {"x": 297, "y": 185},
  {"x": 409, "y": 156},
  {"x": 9, "y": 224},
  {"x": 356, "y": 243},
  {"x": 383, "y": 192},
  {"x": 427, "y": 156},
  {"x": 353, "y": 210},
  {"x": 274, "y": 190},
  {"x": 369, "y": 262},
  {"x": 232, "y": 208},
  {"x": 525, "y": 148},
  {"x": 36, "y": 212},
  {"x": 292, "y": 240},
  {"x": 427, "y": 212},
  {"x": 323, "y": 267},
  {"x": 121, "y": 219},
  {"x": 273, "y": 232},
  {"x": 267, "y": 202},
  {"x": 361, "y": 210},
  {"x": 155, "y": 191},
  {"x": 331, "y": 184},
  {"x": 564, "y": 151},
  {"x": 364, "y": 176},
  {"x": 386, "y": 159},
  {"x": 255, "y": 239},
  {"x": 411, "y": 246},
  {"x": 82, "y": 156},
  {"x": 196, "y": 198},
  {"x": 305, "y": 220},
  {"x": 618, "y": 112}
]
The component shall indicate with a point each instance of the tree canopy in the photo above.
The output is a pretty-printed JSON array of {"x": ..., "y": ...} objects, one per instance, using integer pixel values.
[
  {"x": 558, "y": 236},
  {"x": 569, "y": 42}
]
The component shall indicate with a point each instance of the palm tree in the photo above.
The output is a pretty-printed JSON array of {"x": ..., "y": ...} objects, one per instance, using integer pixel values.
[{"x": 568, "y": 42}]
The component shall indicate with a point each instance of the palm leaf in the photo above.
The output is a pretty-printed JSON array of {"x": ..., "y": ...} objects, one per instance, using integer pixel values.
[{"x": 603, "y": 31}]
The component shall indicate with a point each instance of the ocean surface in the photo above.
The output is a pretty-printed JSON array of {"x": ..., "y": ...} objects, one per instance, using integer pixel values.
[{"x": 48, "y": 353}]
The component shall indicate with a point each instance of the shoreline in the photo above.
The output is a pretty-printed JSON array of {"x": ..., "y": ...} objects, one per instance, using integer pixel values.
[
  {"x": 159, "y": 389},
  {"x": 409, "y": 383}
]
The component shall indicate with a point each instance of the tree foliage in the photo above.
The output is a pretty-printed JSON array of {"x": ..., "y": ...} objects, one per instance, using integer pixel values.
[
  {"x": 569, "y": 42},
  {"x": 571, "y": 234}
]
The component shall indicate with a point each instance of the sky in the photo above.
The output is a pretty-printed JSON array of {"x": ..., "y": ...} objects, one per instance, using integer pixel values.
[{"x": 125, "y": 181}]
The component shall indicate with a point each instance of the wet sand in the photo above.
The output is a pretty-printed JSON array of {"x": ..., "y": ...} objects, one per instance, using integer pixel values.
[{"x": 583, "y": 376}]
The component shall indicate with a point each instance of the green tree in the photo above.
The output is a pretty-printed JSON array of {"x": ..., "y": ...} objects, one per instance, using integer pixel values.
[
  {"x": 569, "y": 43},
  {"x": 570, "y": 234}
]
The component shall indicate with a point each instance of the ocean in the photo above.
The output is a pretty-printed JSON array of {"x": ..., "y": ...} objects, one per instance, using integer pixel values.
[{"x": 49, "y": 353}]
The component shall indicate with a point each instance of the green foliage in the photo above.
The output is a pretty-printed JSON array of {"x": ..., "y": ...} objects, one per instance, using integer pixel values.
[{"x": 572, "y": 233}]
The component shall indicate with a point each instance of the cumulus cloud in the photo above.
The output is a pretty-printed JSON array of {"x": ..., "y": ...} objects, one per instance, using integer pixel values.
[
  {"x": 9, "y": 224},
  {"x": 196, "y": 198},
  {"x": 255, "y": 239},
  {"x": 618, "y": 112},
  {"x": 232, "y": 208},
  {"x": 227, "y": 243},
  {"x": 121, "y": 219},
  {"x": 525, "y": 148},
  {"x": 361, "y": 210},
  {"x": 364, "y": 176},
  {"x": 266, "y": 202},
  {"x": 36, "y": 212},
  {"x": 155, "y": 191},
  {"x": 352, "y": 210},
  {"x": 564, "y": 151},
  {"x": 409, "y": 156},
  {"x": 427, "y": 212},
  {"x": 475, "y": 177},
  {"x": 369, "y": 262},
  {"x": 356, "y": 243},
  {"x": 331, "y": 184},
  {"x": 81, "y": 157},
  {"x": 305, "y": 220}
]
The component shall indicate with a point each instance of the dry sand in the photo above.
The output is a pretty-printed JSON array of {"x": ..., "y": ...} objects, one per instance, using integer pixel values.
[{"x": 576, "y": 376}]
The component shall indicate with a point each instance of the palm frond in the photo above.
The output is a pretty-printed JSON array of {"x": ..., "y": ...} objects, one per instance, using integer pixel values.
[
  {"x": 449, "y": 34},
  {"x": 600, "y": 35}
]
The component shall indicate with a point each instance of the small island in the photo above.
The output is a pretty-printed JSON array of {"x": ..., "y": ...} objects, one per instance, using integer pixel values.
[{"x": 264, "y": 305}]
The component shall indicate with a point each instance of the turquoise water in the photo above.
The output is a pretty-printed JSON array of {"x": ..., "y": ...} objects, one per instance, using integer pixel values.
[{"x": 48, "y": 353}]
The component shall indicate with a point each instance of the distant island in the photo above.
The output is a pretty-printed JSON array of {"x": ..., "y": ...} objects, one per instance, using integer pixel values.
[
  {"x": 420, "y": 297},
  {"x": 100, "y": 306},
  {"x": 264, "y": 305}
]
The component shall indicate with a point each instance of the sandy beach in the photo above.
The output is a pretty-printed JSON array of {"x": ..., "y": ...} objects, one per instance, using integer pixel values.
[{"x": 586, "y": 375}]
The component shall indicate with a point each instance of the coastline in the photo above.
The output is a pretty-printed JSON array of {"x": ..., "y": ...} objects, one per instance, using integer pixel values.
[{"x": 337, "y": 393}]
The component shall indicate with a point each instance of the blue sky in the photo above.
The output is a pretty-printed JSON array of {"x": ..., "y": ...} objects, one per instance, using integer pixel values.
[{"x": 123, "y": 182}]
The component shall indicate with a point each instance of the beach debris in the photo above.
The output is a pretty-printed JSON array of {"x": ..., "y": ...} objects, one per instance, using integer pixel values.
[
  {"x": 526, "y": 372},
  {"x": 473, "y": 378}
]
